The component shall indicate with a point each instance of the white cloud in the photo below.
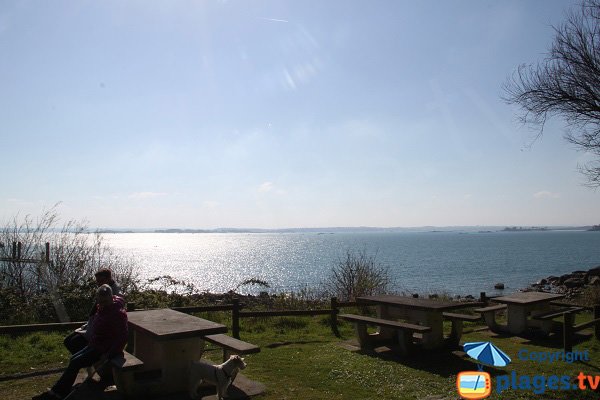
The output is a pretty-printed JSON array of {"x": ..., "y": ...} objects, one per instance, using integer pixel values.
[
  {"x": 265, "y": 187},
  {"x": 146, "y": 195},
  {"x": 545, "y": 194}
]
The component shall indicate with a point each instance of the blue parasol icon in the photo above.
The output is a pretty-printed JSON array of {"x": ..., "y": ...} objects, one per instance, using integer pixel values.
[{"x": 487, "y": 353}]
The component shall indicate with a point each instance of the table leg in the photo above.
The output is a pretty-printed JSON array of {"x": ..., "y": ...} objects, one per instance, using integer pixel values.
[{"x": 517, "y": 318}]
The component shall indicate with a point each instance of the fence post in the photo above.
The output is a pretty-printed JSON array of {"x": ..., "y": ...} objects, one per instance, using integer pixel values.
[
  {"x": 568, "y": 332},
  {"x": 483, "y": 298},
  {"x": 334, "y": 313},
  {"x": 48, "y": 252},
  {"x": 235, "y": 318},
  {"x": 597, "y": 326},
  {"x": 19, "y": 247},
  {"x": 14, "y": 251}
]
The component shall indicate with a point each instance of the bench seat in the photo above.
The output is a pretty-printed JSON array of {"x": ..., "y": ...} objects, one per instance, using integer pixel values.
[
  {"x": 126, "y": 362},
  {"x": 491, "y": 308},
  {"x": 404, "y": 332},
  {"x": 385, "y": 322},
  {"x": 461, "y": 317},
  {"x": 231, "y": 345},
  {"x": 556, "y": 313},
  {"x": 489, "y": 316},
  {"x": 457, "y": 325}
]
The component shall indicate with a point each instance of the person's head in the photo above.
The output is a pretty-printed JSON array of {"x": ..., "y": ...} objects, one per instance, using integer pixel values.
[
  {"x": 104, "y": 296},
  {"x": 103, "y": 277}
]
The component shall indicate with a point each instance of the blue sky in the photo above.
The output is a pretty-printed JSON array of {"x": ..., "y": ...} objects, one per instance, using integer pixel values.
[{"x": 270, "y": 114}]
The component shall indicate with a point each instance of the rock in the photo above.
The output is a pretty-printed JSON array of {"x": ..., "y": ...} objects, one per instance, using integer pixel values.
[
  {"x": 433, "y": 296},
  {"x": 499, "y": 286},
  {"x": 470, "y": 297},
  {"x": 416, "y": 295},
  {"x": 595, "y": 281},
  {"x": 594, "y": 271},
  {"x": 542, "y": 282},
  {"x": 574, "y": 282},
  {"x": 553, "y": 279},
  {"x": 564, "y": 277}
]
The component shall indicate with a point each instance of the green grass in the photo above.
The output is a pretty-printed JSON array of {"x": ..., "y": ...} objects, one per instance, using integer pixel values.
[{"x": 300, "y": 358}]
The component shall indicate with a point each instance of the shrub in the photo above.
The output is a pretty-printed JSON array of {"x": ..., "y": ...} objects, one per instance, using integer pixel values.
[
  {"x": 35, "y": 290},
  {"x": 358, "y": 274}
]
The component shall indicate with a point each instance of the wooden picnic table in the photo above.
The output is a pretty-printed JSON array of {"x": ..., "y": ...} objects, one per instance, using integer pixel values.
[
  {"x": 421, "y": 311},
  {"x": 523, "y": 305},
  {"x": 167, "y": 341}
]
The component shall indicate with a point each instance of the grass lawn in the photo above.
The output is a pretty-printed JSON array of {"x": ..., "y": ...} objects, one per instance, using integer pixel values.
[{"x": 302, "y": 359}]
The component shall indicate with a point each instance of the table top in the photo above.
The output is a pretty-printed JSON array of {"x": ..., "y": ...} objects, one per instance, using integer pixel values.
[
  {"x": 170, "y": 324},
  {"x": 413, "y": 303},
  {"x": 528, "y": 298}
]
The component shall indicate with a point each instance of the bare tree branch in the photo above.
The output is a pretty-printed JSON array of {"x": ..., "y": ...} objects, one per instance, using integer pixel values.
[{"x": 566, "y": 84}]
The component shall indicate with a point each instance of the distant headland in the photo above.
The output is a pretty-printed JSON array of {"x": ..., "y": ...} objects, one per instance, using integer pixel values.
[{"x": 360, "y": 229}]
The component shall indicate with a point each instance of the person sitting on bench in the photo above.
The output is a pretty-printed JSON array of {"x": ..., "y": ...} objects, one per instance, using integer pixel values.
[
  {"x": 107, "y": 340},
  {"x": 80, "y": 337}
]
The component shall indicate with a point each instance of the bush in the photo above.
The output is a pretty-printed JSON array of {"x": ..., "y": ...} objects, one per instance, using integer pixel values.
[
  {"x": 34, "y": 290},
  {"x": 358, "y": 274}
]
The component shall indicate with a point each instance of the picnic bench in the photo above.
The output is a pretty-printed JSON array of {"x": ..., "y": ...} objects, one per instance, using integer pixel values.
[
  {"x": 423, "y": 312},
  {"x": 489, "y": 315},
  {"x": 457, "y": 325},
  {"x": 165, "y": 342},
  {"x": 404, "y": 332},
  {"x": 231, "y": 345}
]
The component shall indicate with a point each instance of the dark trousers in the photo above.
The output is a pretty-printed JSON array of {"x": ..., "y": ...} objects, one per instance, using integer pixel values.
[
  {"x": 75, "y": 342},
  {"x": 86, "y": 357}
]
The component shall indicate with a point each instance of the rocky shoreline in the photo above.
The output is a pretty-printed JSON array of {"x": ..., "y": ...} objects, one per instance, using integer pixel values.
[{"x": 571, "y": 285}]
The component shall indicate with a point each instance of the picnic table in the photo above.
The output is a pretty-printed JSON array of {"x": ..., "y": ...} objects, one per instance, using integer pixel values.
[
  {"x": 167, "y": 341},
  {"x": 522, "y": 307},
  {"x": 421, "y": 311}
]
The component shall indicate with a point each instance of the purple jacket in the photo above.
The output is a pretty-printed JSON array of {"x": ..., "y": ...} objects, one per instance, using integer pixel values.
[{"x": 109, "y": 333}]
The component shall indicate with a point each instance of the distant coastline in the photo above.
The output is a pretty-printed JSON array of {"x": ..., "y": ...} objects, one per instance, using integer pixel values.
[{"x": 359, "y": 229}]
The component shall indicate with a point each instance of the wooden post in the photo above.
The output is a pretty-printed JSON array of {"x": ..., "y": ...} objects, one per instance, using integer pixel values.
[
  {"x": 597, "y": 326},
  {"x": 14, "y": 251},
  {"x": 334, "y": 313},
  {"x": 235, "y": 318},
  {"x": 48, "y": 252},
  {"x": 568, "y": 332},
  {"x": 483, "y": 298},
  {"x": 19, "y": 247}
]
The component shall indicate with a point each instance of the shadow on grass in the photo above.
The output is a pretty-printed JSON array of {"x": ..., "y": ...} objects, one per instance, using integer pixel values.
[
  {"x": 554, "y": 341},
  {"x": 289, "y": 343},
  {"x": 444, "y": 362}
]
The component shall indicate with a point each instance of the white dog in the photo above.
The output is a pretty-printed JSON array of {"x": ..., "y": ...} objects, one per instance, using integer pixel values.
[{"x": 220, "y": 375}]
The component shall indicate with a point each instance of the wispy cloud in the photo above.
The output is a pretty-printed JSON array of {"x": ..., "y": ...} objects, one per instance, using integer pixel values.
[
  {"x": 265, "y": 187},
  {"x": 545, "y": 194},
  {"x": 146, "y": 195},
  {"x": 275, "y": 20}
]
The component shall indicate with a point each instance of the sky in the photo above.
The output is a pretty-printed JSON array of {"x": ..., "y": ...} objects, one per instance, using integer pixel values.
[{"x": 280, "y": 114}]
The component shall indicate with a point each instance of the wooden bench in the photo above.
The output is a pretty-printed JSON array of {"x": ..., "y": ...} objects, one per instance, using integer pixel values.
[
  {"x": 231, "y": 345},
  {"x": 404, "y": 331},
  {"x": 457, "y": 325},
  {"x": 489, "y": 315}
]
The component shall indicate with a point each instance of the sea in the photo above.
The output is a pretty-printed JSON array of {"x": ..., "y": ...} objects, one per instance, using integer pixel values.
[{"x": 450, "y": 263}]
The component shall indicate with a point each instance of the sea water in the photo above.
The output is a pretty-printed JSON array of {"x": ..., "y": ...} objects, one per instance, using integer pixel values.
[{"x": 424, "y": 262}]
